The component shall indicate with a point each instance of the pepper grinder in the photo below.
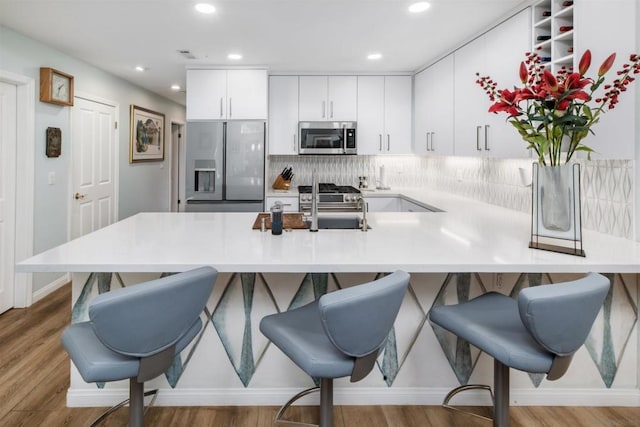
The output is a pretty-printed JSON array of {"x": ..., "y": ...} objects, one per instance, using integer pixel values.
[{"x": 276, "y": 218}]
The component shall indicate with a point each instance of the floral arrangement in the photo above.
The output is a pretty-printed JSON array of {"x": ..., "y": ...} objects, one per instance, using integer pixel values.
[{"x": 551, "y": 110}]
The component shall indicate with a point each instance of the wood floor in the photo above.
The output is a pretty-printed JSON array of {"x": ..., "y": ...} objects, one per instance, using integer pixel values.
[{"x": 34, "y": 376}]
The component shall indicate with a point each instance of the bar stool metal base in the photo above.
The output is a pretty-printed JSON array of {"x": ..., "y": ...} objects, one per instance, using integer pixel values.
[
  {"x": 500, "y": 400},
  {"x": 114, "y": 408},
  {"x": 326, "y": 406}
]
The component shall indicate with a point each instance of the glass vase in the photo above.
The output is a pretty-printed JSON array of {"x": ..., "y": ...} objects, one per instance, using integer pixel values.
[{"x": 555, "y": 186}]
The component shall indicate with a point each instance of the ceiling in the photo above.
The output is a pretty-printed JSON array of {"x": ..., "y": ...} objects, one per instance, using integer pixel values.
[{"x": 283, "y": 35}]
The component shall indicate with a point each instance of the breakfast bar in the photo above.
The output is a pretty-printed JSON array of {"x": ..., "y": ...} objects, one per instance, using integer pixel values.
[{"x": 466, "y": 249}]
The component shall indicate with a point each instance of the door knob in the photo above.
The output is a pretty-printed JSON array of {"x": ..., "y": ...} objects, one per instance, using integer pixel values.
[{"x": 79, "y": 196}]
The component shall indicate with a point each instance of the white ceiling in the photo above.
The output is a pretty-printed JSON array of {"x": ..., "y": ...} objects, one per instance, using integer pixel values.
[{"x": 283, "y": 35}]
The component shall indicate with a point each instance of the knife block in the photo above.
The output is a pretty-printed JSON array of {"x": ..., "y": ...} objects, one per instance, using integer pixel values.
[{"x": 281, "y": 184}]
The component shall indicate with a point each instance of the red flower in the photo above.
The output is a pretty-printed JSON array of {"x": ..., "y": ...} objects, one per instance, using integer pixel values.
[
  {"x": 606, "y": 65},
  {"x": 585, "y": 62},
  {"x": 524, "y": 73},
  {"x": 550, "y": 81}
]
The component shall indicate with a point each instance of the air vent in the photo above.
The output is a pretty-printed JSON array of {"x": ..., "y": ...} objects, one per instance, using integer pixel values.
[{"x": 187, "y": 54}]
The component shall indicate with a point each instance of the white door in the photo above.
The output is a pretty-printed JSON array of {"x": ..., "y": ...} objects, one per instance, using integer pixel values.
[
  {"x": 247, "y": 94},
  {"x": 343, "y": 98},
  {"x": 206, "y": 94},
  {"x": 313, "y": 98},
  {"x": 93, "y": 171},
  {"x": 283, "y": 115},
  {"x": 7, "y": 193},
  {"x": 370, "y": 130},
  {"x": 397, "y": 114}
]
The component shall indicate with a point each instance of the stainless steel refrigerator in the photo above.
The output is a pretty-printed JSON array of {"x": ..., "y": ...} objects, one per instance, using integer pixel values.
[{"x": 225, "y": 166}]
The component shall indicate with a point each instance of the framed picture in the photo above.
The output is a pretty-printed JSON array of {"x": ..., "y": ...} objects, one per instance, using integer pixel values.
[
  {"x": 54, "y": 142},
  {"x": 146, "y": 141}
]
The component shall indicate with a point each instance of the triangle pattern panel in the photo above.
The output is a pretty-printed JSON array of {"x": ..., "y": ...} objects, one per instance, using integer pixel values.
[
  {"x": 611, "y": 331},
  {"x": 402, "y": 337},
  {"x": 462, "y": 356},
  {"x": 238, "y": 330}
]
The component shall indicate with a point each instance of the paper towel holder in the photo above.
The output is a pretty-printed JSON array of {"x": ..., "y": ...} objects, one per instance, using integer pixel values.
[{"x": 382, "y": 180}]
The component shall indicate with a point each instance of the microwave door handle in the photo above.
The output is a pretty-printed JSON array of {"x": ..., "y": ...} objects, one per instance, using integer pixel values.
[{"x": 344, "y": 139}]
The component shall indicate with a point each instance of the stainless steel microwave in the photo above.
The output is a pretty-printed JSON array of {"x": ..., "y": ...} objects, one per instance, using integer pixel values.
[{"x": 327, "y": 138}]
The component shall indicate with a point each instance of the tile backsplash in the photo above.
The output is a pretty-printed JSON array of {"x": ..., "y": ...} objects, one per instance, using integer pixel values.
[{"x": 607, "y": 185}]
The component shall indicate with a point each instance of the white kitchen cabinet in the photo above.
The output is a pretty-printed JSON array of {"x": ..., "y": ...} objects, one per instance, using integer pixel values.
[
  {"x": 478, "y": 132},
  {"x": 407, "y": 206},
  {"x": 383, "y": 204},
  {"x": 433, "y": 109},
  {"x": 290, "y": 203},
  {"x": 327, "y": 98},
  {"x": 615, "y": 132},
  {"x": 283, "y": 115},
  {"x": 226, "y": 94},
  {"x": 384, "y": 114}
]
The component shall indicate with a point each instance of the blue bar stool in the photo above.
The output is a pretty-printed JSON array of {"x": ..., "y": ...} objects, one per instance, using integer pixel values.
[
  {"x": 537, "y": 333},
  {"x": 135, "y": 333},
  {"x": 341, "y": 334}
]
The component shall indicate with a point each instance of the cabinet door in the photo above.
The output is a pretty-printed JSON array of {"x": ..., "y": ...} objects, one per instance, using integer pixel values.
[
  {"x": 313, "y": 98},
  {"x": 615, "y": 133},
  {"x": 397, "y": 114},
  {"x": 342, "y": 98},
  {"x": 439, "y": 111},
  {"x": 290, "y": 204},
  {"x": 206, "y": 94},
  {"x": 421, "y": 99},
  {"x": 246, "y": 94},
  {"x": 383, "y": 204},
  {"x": 471, "y": 103},
  {"x": 370, "y": 130},
  {"x": 283, "y": 114},
  {"x": 502, "y": 64}
]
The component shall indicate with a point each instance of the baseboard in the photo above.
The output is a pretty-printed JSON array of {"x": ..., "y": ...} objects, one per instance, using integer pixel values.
[
  {"x": 51, "y": 287},
  {"x": 360, "y": 396}
]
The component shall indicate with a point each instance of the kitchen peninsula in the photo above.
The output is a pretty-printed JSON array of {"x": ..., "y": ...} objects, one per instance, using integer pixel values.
[{"x": 467, "y": 249}]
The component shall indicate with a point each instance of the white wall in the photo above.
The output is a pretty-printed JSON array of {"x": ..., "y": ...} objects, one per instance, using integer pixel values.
[{"x": 143, "y": 187}]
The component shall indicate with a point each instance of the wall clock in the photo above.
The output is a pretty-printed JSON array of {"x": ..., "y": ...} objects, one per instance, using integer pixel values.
[{"x": 56, "y": 87}]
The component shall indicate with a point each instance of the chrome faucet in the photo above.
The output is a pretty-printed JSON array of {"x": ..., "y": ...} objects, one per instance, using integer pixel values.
[
  {"x": 363, "y": 223},
  {"x": 314, "y": 202}
]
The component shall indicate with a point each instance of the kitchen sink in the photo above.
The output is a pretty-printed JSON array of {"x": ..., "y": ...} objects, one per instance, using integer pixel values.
[{"x": 338, "y": 223}]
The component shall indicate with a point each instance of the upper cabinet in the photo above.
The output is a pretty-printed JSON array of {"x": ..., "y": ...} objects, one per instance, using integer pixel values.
[
  {"x": 283, "y": 115},
  {"x": 614, "y": 135},
  {"x": 226, "y": 94},
  {"x": 327, "y": 98},
  {"x": 433, "y": 109},
  {"x": 384, "y": 114},
  {"x": 478, "y": 132}
]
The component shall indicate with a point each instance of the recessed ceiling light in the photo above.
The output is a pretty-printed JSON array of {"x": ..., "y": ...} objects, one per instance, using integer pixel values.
[
  {"x": 374, "y": 56},
  {"x": 419, "y": 7},
  {"x": 234, "y": 56},
  {"x": 175, "y": 87},
  {"x": 140, "y": 68},
  {"x": 205, "y": 8}
]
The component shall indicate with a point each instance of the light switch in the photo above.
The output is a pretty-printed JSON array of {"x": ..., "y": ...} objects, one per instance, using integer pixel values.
[{"x": 52, "y": 178}]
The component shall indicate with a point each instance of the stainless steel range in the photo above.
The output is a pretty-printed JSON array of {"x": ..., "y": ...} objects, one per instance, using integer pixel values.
[{"x": 331, "y": 198}]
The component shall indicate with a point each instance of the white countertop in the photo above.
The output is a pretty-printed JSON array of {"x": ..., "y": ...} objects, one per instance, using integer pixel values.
[{"x": 468, "y": 236}]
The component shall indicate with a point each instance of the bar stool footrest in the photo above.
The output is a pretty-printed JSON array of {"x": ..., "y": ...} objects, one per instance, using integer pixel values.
[
  {"x": 278, "y": 419},
  {"x": 455, "y": 391},
  {"x": 117, "y": 406}
]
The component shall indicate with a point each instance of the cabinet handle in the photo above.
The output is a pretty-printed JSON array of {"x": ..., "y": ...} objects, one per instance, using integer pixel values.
[
  {"x": 380, "y": 136},
  {"x": 323, "y": 108},
  {"x": 221, "y": 100},
  {"x": 427, "y": 134},
  {"x": 331, "y": 107},
  {"x": 486, "y": 137},
  {"x": 294, "y": 142},
  {"x": 433, "y": 148},
  {"x": 478, "y": 130},
  {"x": 388, "y": 142},
  {"x": 230, "y": 108}
]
